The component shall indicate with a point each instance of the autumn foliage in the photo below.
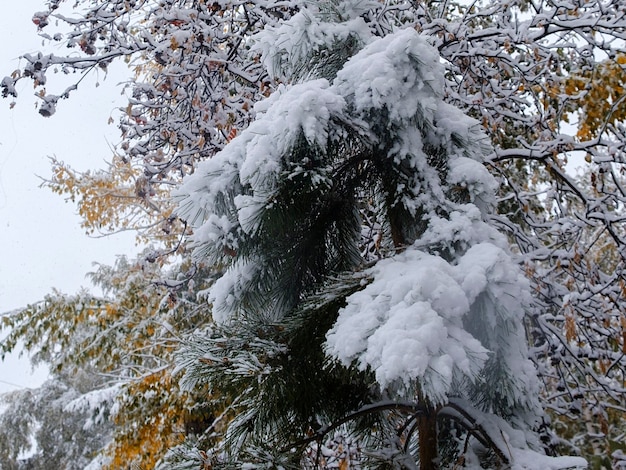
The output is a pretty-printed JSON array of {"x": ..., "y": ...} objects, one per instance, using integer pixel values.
[{"x": 599, "y": 94}]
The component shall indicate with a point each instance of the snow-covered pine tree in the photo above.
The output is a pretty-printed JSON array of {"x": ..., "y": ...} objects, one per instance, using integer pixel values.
[{"x": 400, "y": 332}]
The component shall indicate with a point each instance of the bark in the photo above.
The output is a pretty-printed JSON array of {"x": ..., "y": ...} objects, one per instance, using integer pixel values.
[{"x": 427, "y": 440}]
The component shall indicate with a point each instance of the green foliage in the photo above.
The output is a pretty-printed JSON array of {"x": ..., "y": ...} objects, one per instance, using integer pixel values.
[{"x": 280, "y": 383}]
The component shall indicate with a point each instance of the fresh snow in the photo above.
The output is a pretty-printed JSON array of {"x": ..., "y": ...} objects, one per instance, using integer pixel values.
[
  {"x": 286, "y": 48},
  {"x": 408, "y": 323},
  {"x": 400, "y": 72},
  {"x": 97, "y": 403},
  {"x": 527, "y": 459},
  {"x": 253, "y": 160}
]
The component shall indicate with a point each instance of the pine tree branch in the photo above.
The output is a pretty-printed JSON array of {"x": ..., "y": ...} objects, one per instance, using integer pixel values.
[
  {"x": 412, "y": 408},
  {"x": 470, "y": 423}
]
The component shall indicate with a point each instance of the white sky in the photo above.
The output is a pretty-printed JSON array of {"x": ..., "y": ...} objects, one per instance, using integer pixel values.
[{"x": 41, "y": 243}]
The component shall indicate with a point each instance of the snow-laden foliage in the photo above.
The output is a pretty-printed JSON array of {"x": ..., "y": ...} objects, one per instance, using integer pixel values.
[
  {"x": 440, "y": 316},
  {"x": 408, "y": 324},
  {"x": 63, "y": 424},
  {"x": 199, "y": 70},
  {"x": 286, "y": 49},
  {"x": 226, "y": 198}
]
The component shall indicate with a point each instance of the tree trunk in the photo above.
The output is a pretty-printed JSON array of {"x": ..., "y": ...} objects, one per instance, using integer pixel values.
[{"x": 427, "y": 440}]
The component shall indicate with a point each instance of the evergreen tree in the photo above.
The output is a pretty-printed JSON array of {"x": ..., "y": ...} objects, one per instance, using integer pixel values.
[
  {"x": 416, "y": 350},
  {"x": 62, "y": 424}
]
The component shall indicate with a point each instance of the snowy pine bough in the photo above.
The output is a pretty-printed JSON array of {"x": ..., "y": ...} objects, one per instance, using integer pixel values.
[{"x": 425, "y": 338}]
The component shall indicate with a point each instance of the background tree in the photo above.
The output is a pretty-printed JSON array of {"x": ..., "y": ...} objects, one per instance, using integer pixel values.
[
  {"x": 62, "y": 424},
  {"x": 125, "y": 339}
]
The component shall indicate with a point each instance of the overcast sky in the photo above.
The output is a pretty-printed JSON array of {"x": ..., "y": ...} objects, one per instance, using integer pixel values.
[{"x": 41, "y": 243}]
